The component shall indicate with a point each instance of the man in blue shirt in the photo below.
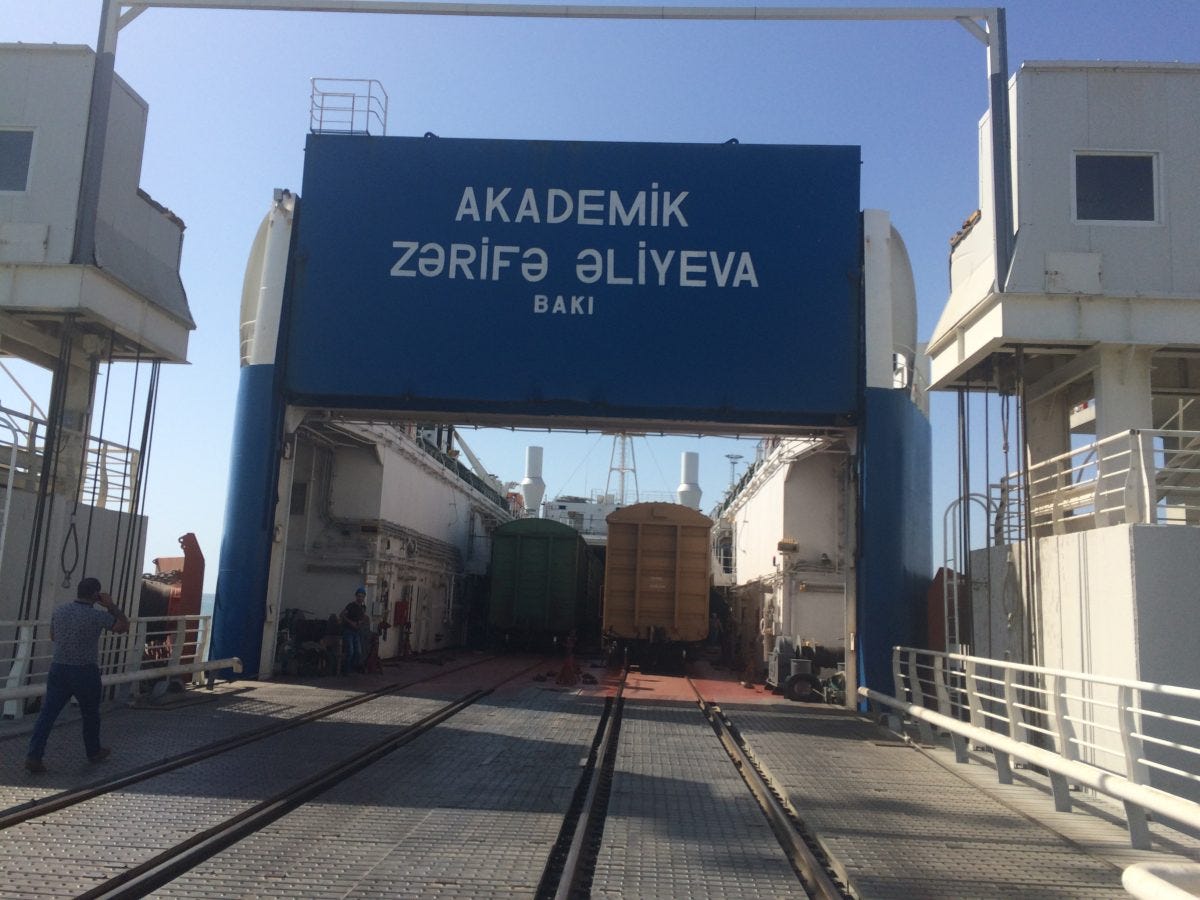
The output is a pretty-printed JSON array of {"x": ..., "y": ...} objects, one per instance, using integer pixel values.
[
  {"x": 75, "y": 629},
  {"x": 353, "y": 617}
]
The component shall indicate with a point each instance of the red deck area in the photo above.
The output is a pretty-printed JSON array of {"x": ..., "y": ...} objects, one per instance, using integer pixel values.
[{"x": 715, "y": 686}]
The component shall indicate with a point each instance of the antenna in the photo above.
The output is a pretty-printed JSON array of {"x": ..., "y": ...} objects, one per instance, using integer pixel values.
[
  {"x": 733, "y": 461},
  {"x": 622, "y": 444}
]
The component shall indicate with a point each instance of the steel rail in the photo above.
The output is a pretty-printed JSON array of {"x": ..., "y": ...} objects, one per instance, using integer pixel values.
[
  {"x": 187, "y": 854},
  {"x": 810, "y": 868},
  {"x": 140, "y": 880},
  {"x": 34, "y": 809},
  {"x": 585, "y": 826}
]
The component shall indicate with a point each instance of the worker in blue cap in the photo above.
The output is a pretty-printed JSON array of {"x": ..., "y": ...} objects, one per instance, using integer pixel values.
[{"x": 353, "y": 617}]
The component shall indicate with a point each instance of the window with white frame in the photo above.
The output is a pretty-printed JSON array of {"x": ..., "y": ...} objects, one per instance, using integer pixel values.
[
  {"x": 16, "y": 149},
  {"x": 1115, "y": 187}
]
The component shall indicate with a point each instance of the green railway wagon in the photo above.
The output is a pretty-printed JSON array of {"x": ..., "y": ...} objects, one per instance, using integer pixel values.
[{"x": 544, "y": 583}]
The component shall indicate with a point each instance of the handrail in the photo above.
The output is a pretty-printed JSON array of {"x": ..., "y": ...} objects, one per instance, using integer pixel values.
[
  {"x": 1166, "y": 689},
  {"x": 347, "y": 111},
  {"x": 1113, "y": 735},
  {"x": 1162, "y": 880},
  {"x": 106, "y": 481},
  {"x": 154, "y": 647},
  {"x": 1141, "y": 476},
  {"x": 212, "y": 665}
]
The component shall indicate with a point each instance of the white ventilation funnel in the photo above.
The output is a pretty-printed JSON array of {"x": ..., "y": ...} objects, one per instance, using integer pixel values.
[
  {"x": 532, "y": 486},
  {"x": 688, "y": 491}
]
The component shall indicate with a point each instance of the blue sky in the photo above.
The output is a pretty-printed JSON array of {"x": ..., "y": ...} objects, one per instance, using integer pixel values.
[{"x": 229, "y": 90}]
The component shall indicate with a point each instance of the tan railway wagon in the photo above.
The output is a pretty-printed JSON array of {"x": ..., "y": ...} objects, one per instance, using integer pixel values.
[{"x": 656, "y": 574}]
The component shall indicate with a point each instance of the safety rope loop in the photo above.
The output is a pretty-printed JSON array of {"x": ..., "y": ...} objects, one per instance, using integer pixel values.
[
  {"x": 70, "y": 542},
  {"x": 87, "y": 543},
  {"x": 39, "y": 536}
]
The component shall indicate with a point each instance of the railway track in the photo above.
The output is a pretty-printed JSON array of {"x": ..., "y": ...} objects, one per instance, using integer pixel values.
[
  {"x": 801, "y": 848},
  {"x": 34, "y": 809},
  {"x": 185, "y": 855},
  {"x": 569, "y": 871},
  {"x": 165, "y": 866},
  {"x": 569, "y": 868}
]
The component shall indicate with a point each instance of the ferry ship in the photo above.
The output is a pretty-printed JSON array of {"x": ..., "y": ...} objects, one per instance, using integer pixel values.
[{"x": 1081, "y": 320}]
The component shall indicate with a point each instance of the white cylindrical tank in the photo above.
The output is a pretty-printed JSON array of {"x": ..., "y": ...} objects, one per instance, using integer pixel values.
[
  {"x": 532, "y": 486},
  {"x": 688, "y": 491}
]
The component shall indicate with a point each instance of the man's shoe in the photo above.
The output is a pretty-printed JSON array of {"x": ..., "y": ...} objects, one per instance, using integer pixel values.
[
  {"x": 100, "y": 755},
  {"x": 34, "y": 765}
]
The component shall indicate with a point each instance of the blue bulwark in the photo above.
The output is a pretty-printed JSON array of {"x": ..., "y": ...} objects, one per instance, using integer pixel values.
[
  {"x": 894, "y": 533},
  {"x": 239, "y": 612},
  {"x": 698, "y": 283}
]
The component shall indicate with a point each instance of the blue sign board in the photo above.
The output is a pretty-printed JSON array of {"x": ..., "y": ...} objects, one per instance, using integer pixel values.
[{"x": 680, "y": 282}]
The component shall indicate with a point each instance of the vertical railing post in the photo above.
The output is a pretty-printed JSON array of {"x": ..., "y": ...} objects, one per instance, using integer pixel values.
[
  {"x": 22, "y": 667},
  {"x": 1099, "y": 510},
  {"x": 1135, "y": 768},
  {"x": 1149, "y": 477},
  {"x": 203, "y": 631},
  {"x": 970, "y": 676},
  {"x": 1131, "y": 742},
  {"x": 939, "y": 685},
  {"x": 914, "y": 679},
  {"x": 135, "y": 648},
  {"x": 1011, "y": 712},
  {"x": 898, "y": 677},
  {"x": 893, "y": 720},
  {"x": 1061, "y": 483},
  {"x": 180, "y": 635},
  {"x": 1057, "y": 707},
  {"x": 1131, "y": 492},
  {"x": 923, "y": 727}
]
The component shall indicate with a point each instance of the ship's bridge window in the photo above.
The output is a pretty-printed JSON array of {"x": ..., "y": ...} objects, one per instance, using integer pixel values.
[
  {"x": 16, "y": 148},
  {"x": 1115, "y": 187}
]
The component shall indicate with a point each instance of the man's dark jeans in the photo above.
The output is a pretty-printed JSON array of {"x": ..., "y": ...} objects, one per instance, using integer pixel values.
[{"x": 82, "y": 682}]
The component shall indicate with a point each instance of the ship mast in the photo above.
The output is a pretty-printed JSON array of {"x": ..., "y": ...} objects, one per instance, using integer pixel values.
[{"x": 622, "y": 461}]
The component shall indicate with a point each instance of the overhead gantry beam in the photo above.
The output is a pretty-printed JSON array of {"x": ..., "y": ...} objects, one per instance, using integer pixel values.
[{"x": 987, "y": 24}]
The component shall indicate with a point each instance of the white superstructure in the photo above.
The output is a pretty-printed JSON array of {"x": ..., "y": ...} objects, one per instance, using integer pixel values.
[
  {"x": 89, "y": 281},
  {"x": 1093, "y": 552}
]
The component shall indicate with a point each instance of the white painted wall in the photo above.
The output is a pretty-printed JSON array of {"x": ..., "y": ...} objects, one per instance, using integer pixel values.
[
  {"x": 1166, "y": 572},
  {"x": 429, "y": 504},
  {"x": 134, "y": 286},
  {"x": 758, "y": 529},
  {"x": 890, "y": 300},
  {"x": 1118, "y": 601},
  {"x": 393, "y": 484},
  {"x": 813, "y": 515},
  {"x": 357, "y": 484},
  {"x": 1115, "y": 601},
  {"x": 1064, "y": 107},
  {"x": 46, "y": 88},
  {"x": 1088, "y": 602},
  {"x": 799, "y": 502},
  {"x": 1073, "y": 282},
  {"x": 103, "y": 531}
]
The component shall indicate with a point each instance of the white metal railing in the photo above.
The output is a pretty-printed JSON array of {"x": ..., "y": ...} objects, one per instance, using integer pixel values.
[
  {"x": 1162, "y": 880},
  {"x": 1132, "y": 740},
  {"x": 108, "y": 479},
  {"x": 347, "y": 106},
  {"x": 1142, "y": 476},
  {"x": 154, "y": 647}
]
